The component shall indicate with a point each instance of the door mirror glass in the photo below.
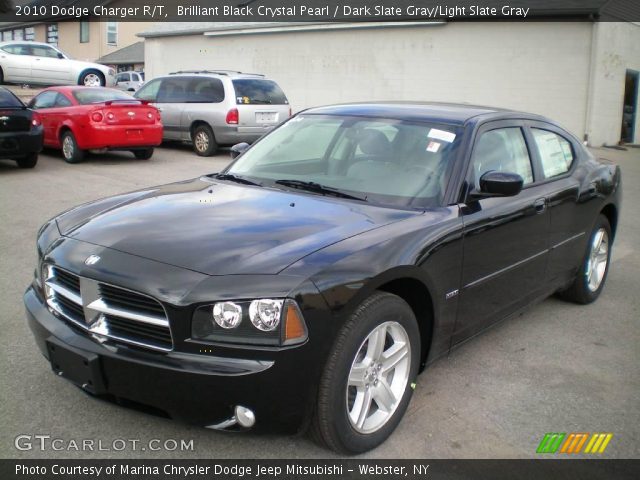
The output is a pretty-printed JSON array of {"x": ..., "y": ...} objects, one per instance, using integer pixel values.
[
  {"x": 500, "y": 184},
  {"x": 60, "y": 56},
  {"x": 238, "y": 149}
]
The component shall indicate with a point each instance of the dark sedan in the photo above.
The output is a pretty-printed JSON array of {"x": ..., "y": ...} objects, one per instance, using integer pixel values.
[
  {"x": 309, "y": 283},
  {"x": 20, "y": 131}
]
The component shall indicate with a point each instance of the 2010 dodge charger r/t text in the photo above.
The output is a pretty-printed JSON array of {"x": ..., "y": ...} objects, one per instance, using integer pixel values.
[{"x": 307, "y": 284}]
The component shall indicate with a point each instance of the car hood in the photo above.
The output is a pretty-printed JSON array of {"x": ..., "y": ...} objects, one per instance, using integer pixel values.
[{"x": 218, "y": 228}]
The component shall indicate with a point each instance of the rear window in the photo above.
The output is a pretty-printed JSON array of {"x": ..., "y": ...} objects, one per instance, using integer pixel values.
[
  {"x": 9, "y": 100},
  {"x": 258, "y": 92},
  {"x": 99, "y": 95}
]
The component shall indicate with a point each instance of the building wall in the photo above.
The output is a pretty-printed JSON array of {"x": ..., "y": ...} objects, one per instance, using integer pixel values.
[
  {"x": 617, "y": 48},
  {"x": 537, "y": 67},
  {"x": 69, "y": 39}
]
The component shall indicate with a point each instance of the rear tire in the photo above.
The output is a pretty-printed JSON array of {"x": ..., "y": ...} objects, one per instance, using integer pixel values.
[
  {"x": 1, "y": 77},
  {"x": 204, "y": 142},
  {"x": 29, "y": 161},
  {"x": 145, "y": 154},
  {"x": 594, "y": 268},
  {"x": 70, "y": 150},
  {"x": 367, "y": 382}
]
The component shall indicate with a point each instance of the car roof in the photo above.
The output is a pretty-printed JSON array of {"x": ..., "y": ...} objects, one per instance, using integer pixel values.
[
  {"x": 22, "y": 42},
  {"x": 451, "y": 113},
  {"x": 215, "y": 73}
]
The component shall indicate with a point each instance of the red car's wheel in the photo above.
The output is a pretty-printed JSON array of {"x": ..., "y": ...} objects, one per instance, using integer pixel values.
[
  {"x": 70, "y": 150},
  {"x": 145, "y": 154}
]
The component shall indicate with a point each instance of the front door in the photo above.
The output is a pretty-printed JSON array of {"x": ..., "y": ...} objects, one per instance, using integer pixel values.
[
  {"x": 47, "y": 68},
  {"x": 505, "y": 239}
]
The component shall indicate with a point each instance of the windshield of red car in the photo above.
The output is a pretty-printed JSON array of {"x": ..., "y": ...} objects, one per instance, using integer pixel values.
[
  {"x": 386, "y": 161},
  {"x": 88, "y": 96}
]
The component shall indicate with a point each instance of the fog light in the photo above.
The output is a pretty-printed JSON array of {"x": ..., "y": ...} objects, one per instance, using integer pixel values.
[
  {"x": 227, "y": 314},
  {"x": 246, "y": 418}
]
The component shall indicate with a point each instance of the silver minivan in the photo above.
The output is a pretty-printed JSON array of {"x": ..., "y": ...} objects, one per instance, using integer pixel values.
[{"x": 216, "y": 108}]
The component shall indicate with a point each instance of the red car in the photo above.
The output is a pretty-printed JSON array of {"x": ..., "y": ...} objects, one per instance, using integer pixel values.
[{"x": 77, "y": 119}]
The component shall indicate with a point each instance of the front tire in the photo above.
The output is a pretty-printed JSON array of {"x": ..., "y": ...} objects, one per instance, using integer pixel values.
[
  {"x": 204, "y": 142},
  {"x": 368, "y": 379},
  {"x": 92, "y": 78},
  {"x": 145, "y": 154},
  {"x": 593, "y": 271},
  {"x": 29, "y": 161},
  {"x": 70, "y": 150}
]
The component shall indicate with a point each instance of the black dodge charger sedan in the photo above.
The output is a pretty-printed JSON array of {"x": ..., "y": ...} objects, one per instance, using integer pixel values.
[
  {"x": 20, "y": 131},
  {"x": 307, "y": 284}
]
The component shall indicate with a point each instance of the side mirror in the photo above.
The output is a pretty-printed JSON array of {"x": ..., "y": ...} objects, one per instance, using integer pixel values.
[
  {"x": 500, "y": 184},
  {"x": 238, "y": 149},
  {"x": 60, "y": 56}
]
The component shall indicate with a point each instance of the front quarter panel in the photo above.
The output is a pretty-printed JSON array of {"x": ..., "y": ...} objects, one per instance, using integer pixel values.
[{"x": 425, "y": 249}]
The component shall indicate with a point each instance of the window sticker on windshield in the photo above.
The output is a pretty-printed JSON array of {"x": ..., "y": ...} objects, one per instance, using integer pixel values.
[
  {"x": 442, "y": 135},
  {"x": 433, "y": 147}
]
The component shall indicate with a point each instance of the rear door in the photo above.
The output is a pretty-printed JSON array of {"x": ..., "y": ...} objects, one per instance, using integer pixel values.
[
  {"x": 261, "y": 104},
  {"x": 16, "y": 62}
]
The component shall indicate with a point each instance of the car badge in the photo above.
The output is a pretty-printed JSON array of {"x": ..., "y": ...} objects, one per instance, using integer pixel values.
[
  {"x": 131, "y": 114},
  {"x": 92, "y": 260}
]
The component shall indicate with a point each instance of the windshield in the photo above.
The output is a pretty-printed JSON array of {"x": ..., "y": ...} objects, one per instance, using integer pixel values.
[
  {"x": 87, "y": 96},
  {"x": 378, "y": 160}
]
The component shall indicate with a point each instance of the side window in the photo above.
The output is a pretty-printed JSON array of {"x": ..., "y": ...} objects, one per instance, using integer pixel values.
[
  {"x": 502, "y": 150},
  {"x": 43, "y": 51},
  {"x": 556, "y": 153},
  {"x": 149, "y": 92},
  {"x": 16, "y": 49},
  {"x": 174, "y": 90},
  {"x": 44, "y": 100},
  {"x": 205, "y": 90},
  {"x": 62, "y": 101},
  {"x": 123, "y": 77}
]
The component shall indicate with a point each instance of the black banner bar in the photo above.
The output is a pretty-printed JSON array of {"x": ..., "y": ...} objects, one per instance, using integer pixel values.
[
  {"x": 320, "y": 10},
  {"x": 319, "y": 469}
]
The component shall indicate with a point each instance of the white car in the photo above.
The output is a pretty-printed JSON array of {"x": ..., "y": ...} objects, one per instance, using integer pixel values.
[
  {"x": 41, "y": 63},
  {"x": 129, "y": 81}
]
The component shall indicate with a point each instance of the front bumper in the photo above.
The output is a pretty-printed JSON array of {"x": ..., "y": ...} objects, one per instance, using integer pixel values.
[
  {"x": 193, "y": 388},
  {"x": 16, "y": 145}
]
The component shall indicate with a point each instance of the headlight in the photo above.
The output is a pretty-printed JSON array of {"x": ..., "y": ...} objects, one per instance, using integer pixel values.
[
  {"x": 265, "y": 314},
  {"x": 227, "y": 314},
  {"x": 262, "y": 321}
]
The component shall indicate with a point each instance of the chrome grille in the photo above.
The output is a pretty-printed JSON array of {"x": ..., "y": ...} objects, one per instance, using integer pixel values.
[{"x": 106, "y": 310}]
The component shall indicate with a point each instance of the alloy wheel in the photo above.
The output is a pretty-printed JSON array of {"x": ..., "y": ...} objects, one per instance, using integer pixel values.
[
  {"x": 378, "y": 377},
  {"x": 92, "y": 80},
  {"x": 201, "y": 141},
  {"x": 598, "y": 259},
  {"x": 68, "y": 147}
]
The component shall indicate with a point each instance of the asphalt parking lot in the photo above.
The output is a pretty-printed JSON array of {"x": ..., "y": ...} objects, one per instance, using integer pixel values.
[{"x": 558, "y": 367}]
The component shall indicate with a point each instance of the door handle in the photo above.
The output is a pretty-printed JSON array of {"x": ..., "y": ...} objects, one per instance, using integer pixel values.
[{"x": 540, "y": 205}]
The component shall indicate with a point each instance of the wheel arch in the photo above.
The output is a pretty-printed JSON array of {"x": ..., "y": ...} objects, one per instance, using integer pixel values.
[
  {"x": 610, "y": 211},
  {"x": 410, "y": 284},
  {"x": 196, "y": 123}
]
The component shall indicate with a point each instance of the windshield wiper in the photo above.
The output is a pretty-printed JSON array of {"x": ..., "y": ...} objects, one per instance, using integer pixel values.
[
  {"x": 318, "y": 188},
  {"x": 235, "y": 178}
]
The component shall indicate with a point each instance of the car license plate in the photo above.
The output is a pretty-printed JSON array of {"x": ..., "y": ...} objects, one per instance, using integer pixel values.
[
  {"x": 134, "y": 133},
  {"x": 79, "y": 367},
  {"x": 266, "y": 117}
]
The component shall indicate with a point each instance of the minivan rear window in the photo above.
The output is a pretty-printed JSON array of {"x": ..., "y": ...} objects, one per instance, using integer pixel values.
[
  {"x": 258, "y": 92},
  {"x": 9, "y": 100}
]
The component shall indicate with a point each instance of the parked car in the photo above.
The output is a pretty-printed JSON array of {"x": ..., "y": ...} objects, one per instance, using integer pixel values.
[
  {"x": 20, "y": 131},
  {"x": 215, "y": 108},
  {"x": 77, "y": 119},
  {"x": 311, "y": 280},
  {"x": 44, "y": 64},
  {"x": 129, "y": 81}
]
